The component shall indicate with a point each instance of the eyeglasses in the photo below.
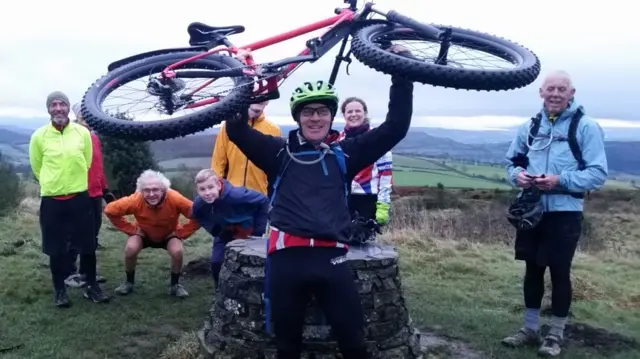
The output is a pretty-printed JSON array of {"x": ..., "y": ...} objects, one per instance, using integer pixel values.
[
  {"x": 321, "y": 111},
  {"x": 152, "y": 190}
]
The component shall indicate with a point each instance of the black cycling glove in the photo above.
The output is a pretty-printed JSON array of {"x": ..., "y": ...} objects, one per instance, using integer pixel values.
[{"x": 108, "y": 196}]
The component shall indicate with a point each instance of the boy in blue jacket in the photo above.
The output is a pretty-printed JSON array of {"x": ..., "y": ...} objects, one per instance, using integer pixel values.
[{"x": 227, "y": 212}]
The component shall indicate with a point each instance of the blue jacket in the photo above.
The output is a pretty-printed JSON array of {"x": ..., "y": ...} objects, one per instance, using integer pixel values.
[
  {"x": 236, "y": 208},
  {"x": 558, "y": 159}
]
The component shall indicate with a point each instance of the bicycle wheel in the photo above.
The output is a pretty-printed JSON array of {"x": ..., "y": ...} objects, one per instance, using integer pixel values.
[
  {"x": 150, "y": 125},
  {"x": 458, "y": 74}
]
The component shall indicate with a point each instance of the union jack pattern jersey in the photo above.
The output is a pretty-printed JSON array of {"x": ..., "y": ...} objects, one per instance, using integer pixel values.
[{"x": 375, "y": 178}]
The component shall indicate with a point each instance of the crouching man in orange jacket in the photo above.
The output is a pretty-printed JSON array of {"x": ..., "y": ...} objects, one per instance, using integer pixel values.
[{"x": 157, "y": 209}]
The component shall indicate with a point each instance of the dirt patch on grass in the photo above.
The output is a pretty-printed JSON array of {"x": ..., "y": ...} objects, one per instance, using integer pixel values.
[
  {"x": 601, "y": 340},
  {"x": 140, "y": 343},
  {"x": 197, "y": 268},
  {"x": 187, "y": 347},
  {"x": 438, "y": 345},
  {"x": 631, "y": 302}
]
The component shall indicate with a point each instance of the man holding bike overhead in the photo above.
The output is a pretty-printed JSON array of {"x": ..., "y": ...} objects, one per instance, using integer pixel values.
[{"x": 311, "y": 172}]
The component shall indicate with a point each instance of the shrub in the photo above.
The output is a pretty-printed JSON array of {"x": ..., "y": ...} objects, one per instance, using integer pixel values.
[
  {"x": 11, "y": 192},
  {"x": 125, "y": 160},
  {"x": 182, "y": 181}
]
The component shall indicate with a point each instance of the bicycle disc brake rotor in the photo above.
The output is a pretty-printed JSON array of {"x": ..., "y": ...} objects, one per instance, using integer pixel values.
[
  {"x": 165, "y": 87},
  {"x": 165, "y": 90}
]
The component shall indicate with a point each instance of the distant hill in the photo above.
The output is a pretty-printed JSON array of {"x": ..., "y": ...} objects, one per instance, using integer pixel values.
[
  {"x": 416, "y": 143},
  {"x": 13, "y": 137},
  {"x": 15, "y": 146}
]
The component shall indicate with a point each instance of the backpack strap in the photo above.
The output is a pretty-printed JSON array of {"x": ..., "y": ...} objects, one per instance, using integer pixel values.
[
  {"x": 573, "y": 140},
  {"x": 283, "y": 167},
  {"x": 342, "y": 164},
  {"x": 533, "y": 131}
]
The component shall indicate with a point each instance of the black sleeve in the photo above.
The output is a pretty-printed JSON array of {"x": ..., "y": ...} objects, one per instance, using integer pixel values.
[
  {"x": 365, "y": 149},
  {"x": 261, "y": 149}
]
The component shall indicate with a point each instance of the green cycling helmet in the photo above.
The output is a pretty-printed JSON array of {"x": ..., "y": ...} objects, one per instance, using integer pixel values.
[{"x": 320, "y": 91}]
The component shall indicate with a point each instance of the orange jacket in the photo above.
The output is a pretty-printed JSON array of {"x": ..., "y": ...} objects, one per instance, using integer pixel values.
[
  {"x": 230, "y": 163},
  {"x": 157, "y": 222}
]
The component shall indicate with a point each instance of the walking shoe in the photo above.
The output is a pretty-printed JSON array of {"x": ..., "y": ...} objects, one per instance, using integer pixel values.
[
  {"x": 550, "y": 346},
  {"x": 177, "y": 290},
  {"x": 99, "y": 278},
  {"x": 124, "y": 288},
  {"x": 75, "y": 281},
  {"x": 61, "y": 299},
  {"x": 524, "y": 337},
  {"x": 95, "y": 294}
]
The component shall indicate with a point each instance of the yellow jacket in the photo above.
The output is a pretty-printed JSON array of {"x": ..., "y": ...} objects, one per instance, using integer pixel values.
[
  {"x": 59, "y": 160},
  {"x": 229, "y": 162}
]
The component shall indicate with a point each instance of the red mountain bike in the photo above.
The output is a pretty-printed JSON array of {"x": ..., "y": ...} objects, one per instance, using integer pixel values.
[{"x": 210, "y": 58}]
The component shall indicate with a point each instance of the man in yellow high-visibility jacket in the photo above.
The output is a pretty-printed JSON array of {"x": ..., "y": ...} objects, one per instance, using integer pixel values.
[{"x": 60, "y": 154}]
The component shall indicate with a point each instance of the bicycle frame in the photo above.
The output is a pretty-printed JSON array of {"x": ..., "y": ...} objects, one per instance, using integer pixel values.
[{"x": 340, "y": 29}]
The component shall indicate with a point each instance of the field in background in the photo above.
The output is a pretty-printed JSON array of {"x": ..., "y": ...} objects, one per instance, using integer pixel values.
[
  {"x": 416, "y": 171},
  {"x": 458, "y": 273}
]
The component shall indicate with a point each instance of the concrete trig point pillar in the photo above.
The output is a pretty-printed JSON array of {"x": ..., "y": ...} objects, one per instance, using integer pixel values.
[{"x": 235, "y": 327}]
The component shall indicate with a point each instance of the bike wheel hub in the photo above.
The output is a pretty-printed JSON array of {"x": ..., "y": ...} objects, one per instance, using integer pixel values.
[{"x": 165, "y": 87}]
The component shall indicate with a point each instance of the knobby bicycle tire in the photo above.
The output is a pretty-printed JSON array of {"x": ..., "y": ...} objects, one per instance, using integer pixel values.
[
  {"x": 191, "y": 123},
  {"x": 525, "y": 72}
]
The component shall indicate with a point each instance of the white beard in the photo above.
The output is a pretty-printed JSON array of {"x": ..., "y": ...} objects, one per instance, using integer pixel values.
[{"x": 59, "y": 121}]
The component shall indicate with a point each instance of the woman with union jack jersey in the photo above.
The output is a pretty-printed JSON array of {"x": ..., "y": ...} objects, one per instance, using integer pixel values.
[{"x": 370, "y": 196}]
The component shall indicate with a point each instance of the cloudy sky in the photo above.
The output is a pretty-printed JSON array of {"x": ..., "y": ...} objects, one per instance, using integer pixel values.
[{"x": 67, "y": 44}]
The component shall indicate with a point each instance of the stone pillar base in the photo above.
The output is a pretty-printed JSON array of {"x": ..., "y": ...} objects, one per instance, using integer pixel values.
[{"x": 235, "y": 327}]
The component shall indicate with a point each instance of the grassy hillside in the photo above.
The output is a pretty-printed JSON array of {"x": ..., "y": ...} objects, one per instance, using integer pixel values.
[{"x": 457, "y": 267}]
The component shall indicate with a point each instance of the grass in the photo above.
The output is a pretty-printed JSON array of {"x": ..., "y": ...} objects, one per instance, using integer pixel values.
[
  {"x": 191, "y": 162},
  {"x": 458, "y": 274},
  {"x": 456, "y": 264},
  {"x": 474, "y": 291},
  {"x": 136, "y": 326},
  {"x": 418, "y": 178}
]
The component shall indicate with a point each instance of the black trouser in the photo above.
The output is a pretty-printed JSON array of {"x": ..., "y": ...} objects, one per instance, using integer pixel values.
[
  {"x": 297, "y": 273},
  {"x": 96, "y": 210},
  {"x": 64, "y": 222},
  {"x": 550, "y": 244}
]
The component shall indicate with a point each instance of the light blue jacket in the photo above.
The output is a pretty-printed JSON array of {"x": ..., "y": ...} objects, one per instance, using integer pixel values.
[{"x": 558, "y": 159}]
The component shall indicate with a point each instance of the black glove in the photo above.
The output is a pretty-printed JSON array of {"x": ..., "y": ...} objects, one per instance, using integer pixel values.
[
  {"x": 108, "y": 196},
  {"x": 257, "y": 233},
  {"x": 520, "y": 160}
]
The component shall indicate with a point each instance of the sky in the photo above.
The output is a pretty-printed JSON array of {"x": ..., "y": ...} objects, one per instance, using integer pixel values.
[{"x": 67, "y": 44}]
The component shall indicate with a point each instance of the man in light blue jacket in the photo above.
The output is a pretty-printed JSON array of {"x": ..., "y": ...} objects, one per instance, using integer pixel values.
[{"x": 555, "y": 158}]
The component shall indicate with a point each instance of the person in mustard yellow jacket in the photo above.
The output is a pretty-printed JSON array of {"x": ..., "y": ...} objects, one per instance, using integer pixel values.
[{"x": 231, "y": 164}]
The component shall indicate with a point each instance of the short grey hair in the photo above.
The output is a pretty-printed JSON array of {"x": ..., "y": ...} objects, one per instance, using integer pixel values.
[
  {"x": 561, "y": 74},
  {"x": 204, "y": 175},
  {"x": 152, "y": 175}
]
